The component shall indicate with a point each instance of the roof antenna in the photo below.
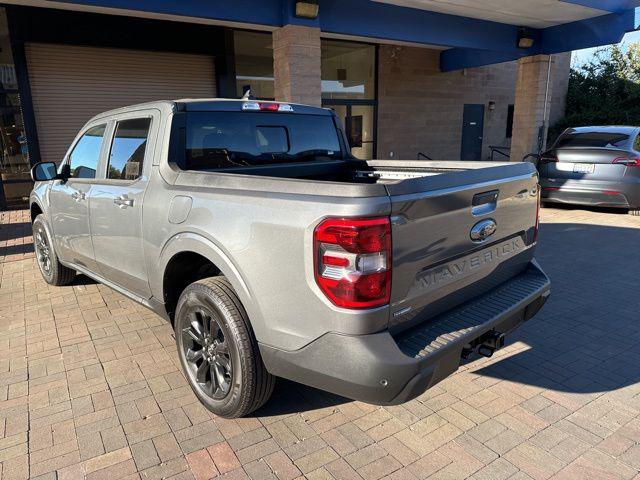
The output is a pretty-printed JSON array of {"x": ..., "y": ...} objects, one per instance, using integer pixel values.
[{"x": 247, "y": 95}]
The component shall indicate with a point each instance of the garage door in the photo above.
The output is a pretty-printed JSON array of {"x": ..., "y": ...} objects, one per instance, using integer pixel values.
[{"x": 70, "y": 84}]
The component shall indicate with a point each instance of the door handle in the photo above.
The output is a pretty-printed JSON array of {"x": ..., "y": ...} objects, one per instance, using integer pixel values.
[
  {"x": 78, "y": 196},
  {"x": 123, "y": 202}
]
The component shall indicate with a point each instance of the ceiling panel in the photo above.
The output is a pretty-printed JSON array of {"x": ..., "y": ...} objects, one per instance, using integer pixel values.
[{"x": 530, "y": 13}]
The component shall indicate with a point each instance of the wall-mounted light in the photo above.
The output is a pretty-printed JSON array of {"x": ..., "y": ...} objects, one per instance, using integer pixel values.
[
  {"x": 307, "y": 9},
  {"x": 492, "y": 106},
  {"x": 525, "y": 38}
]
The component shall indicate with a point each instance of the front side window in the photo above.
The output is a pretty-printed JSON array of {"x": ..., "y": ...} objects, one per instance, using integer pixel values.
[
  {"x": 128, "y": 148},
  {"x": 83, "y": 160}
]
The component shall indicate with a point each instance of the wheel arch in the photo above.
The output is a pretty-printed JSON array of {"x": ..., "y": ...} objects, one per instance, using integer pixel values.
[
  {"x": 192, "y": 249},
  {"x": 35, "y": 210}
]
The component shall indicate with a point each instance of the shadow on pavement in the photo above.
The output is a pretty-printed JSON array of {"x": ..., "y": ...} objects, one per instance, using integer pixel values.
[
  {"x": 290, "y": 397},
  {"x": 587, "y": 338}
]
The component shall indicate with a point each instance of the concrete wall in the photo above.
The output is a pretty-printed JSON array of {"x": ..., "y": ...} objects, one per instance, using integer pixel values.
[{"x": 420, "y": 108}]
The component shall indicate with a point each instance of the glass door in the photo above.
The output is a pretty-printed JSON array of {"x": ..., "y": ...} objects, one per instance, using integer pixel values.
[
  {"x": 15, "y": 181},
  {"x": 359, "y": 121}
]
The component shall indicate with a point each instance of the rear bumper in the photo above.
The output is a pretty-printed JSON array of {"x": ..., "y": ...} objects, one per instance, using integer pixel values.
[
  {"x": 602, "y": 194},
  {"x": 387, "y": 370}
]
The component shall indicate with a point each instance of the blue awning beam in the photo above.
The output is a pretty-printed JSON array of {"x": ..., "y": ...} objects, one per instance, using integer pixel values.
[{"x": 467, "y": 42}]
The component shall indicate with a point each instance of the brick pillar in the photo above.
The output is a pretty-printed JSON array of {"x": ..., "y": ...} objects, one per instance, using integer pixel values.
[
  {"x": 296, "y": 64},
  {"x": 529, "y": 110}
]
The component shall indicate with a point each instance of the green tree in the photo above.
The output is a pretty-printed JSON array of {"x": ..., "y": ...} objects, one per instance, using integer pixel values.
[{"x": 605, "y": 91}]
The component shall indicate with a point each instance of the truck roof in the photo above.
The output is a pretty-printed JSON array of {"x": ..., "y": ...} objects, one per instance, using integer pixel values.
[{"x": 211, "y": 105}]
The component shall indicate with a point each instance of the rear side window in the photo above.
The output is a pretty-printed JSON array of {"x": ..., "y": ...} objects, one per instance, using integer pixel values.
[
  {"x": 83, "y": 160},
  {"x": 593, "y": 139},
  {"x": 221, "y": 140},
  {"x": 128, "y": 148}
]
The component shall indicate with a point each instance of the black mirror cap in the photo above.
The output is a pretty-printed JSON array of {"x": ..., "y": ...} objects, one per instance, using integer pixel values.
[{"x": 44, "y": 171}]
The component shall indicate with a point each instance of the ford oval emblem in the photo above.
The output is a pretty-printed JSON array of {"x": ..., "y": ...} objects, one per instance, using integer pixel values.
[{"x": 483, "y": 230}]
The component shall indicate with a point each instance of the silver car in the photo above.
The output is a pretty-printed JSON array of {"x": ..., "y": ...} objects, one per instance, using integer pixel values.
[{"x": 598, "y": 166}]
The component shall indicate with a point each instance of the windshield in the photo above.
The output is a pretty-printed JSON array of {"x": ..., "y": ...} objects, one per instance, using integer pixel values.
[
  {"x": 593, "y": 139},
  {"x": 222, "y": 140}
]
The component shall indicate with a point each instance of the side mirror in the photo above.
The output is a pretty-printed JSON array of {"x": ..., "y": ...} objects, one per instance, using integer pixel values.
[{"x": 44, "y": 171}]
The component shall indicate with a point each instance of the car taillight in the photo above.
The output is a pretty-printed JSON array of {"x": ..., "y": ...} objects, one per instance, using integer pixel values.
[
  {"x": 628, "y": 161},
  {"x": 352, "y": 261},
  {"x": 267, "y": 106}
]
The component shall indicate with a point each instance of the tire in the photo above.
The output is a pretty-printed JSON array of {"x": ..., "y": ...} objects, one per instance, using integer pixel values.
[
  {"x": 53, "y": 272},
  {"x": 635, "y": 212},
  {"x": 218, "y": 351}
]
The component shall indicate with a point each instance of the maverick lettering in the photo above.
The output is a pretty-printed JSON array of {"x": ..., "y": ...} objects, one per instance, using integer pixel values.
[{"x": 462, "y": 267}]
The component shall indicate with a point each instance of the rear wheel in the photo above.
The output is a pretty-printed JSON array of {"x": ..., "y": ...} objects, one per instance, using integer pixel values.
[
  {"x": 218, "y": 351},
  {"x": 53, "y": 272}
]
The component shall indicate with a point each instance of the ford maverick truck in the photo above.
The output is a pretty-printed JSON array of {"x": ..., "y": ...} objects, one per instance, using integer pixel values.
[{"x": 275, "y": 253}]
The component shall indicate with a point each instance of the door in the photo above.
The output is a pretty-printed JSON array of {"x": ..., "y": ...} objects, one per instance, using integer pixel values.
[
  {"x": 71, "y": 83},
  {"x": 69, "y": 200},
  {"x": 472, "y": 132},
  {"x": 359, "y": 121},
  {"x": 116, "y": 203}
]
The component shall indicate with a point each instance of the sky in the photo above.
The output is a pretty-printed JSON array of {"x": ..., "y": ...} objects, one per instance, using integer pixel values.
[{"x": 580, "y": 57}]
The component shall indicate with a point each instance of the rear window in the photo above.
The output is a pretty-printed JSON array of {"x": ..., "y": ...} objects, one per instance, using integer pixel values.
[
  {"x": 221, "y": 140},
  {"x": 593, "y": 139}
]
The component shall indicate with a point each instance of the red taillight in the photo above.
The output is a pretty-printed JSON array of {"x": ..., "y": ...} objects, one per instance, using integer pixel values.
[
  {"x": 272, "y": 107},
  {"x": 628, "y": 161},
  {"x": 352, "y": 260},
  {"x": 548, "y": 159},
  {"x": 267, "y": 107}
]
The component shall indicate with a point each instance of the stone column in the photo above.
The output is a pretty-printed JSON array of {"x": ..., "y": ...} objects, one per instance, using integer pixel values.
[
  {"x": 530, "y": 113},
  {"x": 296, "y": 64}
]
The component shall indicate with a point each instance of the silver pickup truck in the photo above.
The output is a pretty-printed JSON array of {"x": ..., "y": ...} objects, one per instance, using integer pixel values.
[{"x": 275, "y": 253}]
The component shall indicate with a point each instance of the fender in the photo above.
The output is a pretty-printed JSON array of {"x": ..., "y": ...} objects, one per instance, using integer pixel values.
[{"x": 198, "y": 243}]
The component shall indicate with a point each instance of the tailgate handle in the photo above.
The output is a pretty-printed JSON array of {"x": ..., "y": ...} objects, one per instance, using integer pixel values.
[{"x": 484, "y": 203}]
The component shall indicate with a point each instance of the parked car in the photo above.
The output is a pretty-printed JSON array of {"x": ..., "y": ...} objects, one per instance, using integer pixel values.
[
  {"x": 597, "y": 166},
  {"x": 274, "y": 252}
]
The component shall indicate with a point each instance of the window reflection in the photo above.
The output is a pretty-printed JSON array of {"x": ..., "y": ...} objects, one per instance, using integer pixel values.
[
  {"x": 14, "y": 153},
  {"x": 254, "y": 64},
  {"x": 348, "y": 70}
]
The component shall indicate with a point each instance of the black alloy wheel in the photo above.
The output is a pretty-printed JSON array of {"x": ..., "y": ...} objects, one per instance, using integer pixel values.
[{"x": 206, "y": 350}]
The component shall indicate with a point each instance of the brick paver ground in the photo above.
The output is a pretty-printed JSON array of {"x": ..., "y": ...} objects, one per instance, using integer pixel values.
[{"x": 90, "y": 386}]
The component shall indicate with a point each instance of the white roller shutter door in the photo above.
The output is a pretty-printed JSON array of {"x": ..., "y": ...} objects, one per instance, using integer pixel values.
[{"x": 70, "y": 84}]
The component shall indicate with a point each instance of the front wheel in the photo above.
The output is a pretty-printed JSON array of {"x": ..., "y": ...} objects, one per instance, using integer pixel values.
[
  {"x": 53, "y": 272},
  {"x": 218, "y": 351}
]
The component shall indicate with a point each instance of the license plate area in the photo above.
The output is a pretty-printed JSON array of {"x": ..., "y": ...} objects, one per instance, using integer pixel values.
[{"x": 584, "y": 168}]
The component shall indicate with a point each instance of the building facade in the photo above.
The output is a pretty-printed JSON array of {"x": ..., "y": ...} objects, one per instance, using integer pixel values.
[{"x": 61, "y": 66}]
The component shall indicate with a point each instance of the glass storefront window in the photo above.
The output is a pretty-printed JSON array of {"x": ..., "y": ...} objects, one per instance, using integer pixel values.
[
  {"x": 14, "y": 154},
  {"x": 349, "y": 88},
  {"x": 348, "y": 70},
  {"x": 254, "y": 64}
]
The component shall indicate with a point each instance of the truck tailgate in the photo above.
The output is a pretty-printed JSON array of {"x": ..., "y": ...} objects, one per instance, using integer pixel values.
[{"x": 436, "y": 263}]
